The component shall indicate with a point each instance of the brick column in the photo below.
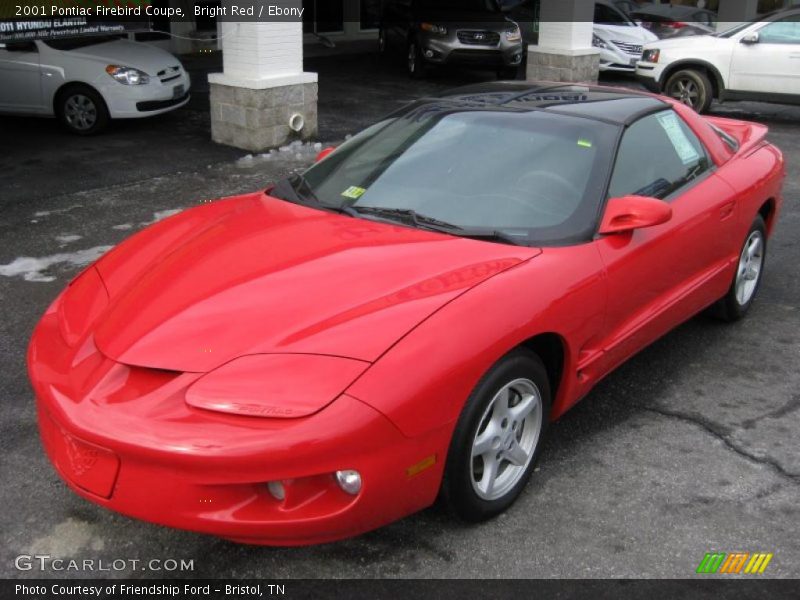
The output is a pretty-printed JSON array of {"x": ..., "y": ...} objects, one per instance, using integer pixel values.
[
  {"x": 263, "y": 98},
  {"x": 564, "y": 51}
]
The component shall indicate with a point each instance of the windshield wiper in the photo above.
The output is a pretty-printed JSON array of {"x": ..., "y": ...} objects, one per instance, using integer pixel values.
[{"x": 433, "y": 224}]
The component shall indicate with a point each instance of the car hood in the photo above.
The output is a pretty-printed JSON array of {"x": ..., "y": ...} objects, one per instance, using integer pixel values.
[
  {"x": 127, "y": 54},
  {"x": 624, "y": 33},
  {"x": 689, "y": 44},
  {"x": 257, "y": 275}
]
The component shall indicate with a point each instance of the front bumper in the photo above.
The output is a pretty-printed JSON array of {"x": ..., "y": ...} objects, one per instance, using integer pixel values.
[
  {"x": 614, "y": 59},
  {"x": 123, "y": 437},
  {"x": 451, "y": 51},
  {"x": 648, "y": 77},
  {"x": 136, "y": 101}
]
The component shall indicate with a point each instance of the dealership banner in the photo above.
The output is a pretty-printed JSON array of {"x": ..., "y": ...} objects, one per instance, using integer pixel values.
[
  {"x": 25, "y": 20},
  {"x": 393, "y": 589}
]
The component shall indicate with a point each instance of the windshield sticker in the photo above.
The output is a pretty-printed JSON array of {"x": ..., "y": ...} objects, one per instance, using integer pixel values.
[
  {"x": 354, "y": 192},
  {"x": 683, "y": 147},
  {"x": 584, "y": 143}
]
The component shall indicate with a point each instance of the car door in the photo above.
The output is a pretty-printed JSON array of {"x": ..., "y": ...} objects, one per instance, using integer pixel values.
[
  {"x": 20, "y": 77},
  {"x": 660, "y": 276},
  {"x": 770, "y": 64}
]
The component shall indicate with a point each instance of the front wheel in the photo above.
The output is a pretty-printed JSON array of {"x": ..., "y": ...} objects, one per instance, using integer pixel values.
[
  {"x": 498, "y": 438},
  {"x": 692, "y": 88},
  {"x": 749, "y": 272},
  {"x": 415, "y": 63},
  {"x": 82, "y": 110}
]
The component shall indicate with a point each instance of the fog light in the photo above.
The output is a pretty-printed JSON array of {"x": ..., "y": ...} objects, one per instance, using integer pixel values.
[
  {"x": 429, "y": 53},
  {"x": 276, "y": 489},
  {"x": 349, "y": 481}
]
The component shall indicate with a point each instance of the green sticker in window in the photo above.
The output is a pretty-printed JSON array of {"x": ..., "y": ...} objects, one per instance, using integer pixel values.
[
  {"x": 354, "y": 192},
  {"x": 585, "y": 143}
]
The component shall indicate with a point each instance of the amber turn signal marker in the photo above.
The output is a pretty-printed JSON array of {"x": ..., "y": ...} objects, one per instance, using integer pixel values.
[{"x": 425, "y": 463}]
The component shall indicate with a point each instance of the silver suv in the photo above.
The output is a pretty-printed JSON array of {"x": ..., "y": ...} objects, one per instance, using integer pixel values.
[{"x": 473, "y": 33}]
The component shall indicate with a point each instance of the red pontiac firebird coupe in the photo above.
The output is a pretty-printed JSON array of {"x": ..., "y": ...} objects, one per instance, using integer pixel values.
[{"x": 400, "y": 322}]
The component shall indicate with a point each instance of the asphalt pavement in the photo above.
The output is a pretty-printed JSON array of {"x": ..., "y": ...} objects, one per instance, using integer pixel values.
[{"x": 690, "y": 447}]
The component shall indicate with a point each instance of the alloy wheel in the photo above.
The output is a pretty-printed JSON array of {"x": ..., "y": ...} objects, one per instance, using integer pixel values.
[
  {"x": 506, "y": 439},
  {"x": 685, "y": 91},
  {"x": 751, "y": 262},
  {"x": 80, "y": 112}
]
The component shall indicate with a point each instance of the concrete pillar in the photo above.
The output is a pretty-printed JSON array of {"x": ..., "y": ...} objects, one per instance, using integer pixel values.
[
  {"x": 564, "y": 51},
  {"x": 263, "y": 98},
  {"x": 733, "y": 12}
]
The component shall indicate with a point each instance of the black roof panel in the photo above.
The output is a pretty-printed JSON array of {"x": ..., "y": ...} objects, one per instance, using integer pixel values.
[{"x": 616, "y": 105}]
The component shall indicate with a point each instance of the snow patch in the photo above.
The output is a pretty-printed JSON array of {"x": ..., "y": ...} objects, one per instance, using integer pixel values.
[
  {"x": 123, "y": 226},
  {"x": 67, "y": 238},
  {"x": 33, "y": 269}
]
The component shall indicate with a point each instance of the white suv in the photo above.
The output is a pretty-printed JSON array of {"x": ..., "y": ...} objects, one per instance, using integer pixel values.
[{"x": 759, "y": 60}]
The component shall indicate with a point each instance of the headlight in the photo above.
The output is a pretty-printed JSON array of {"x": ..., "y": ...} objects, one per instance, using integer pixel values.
[
  {"x": 128, "y": 75},
  {"x": 651, "y": 55},
  {"x": 513, "y": 35},
  {"x": 275, "y": 386},
  {"x": 431, "y": 28},
  {"x": 598, "y": 42}
]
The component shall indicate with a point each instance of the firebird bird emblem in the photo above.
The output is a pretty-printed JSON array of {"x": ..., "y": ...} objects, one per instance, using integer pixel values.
[{"x": 81, "y": 457}]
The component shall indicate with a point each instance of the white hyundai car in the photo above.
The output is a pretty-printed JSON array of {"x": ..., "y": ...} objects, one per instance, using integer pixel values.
[
  {"x": 759, "y": 60},
  {"x": 618, "y": 38},
  {"x": 87, "y": 81}
]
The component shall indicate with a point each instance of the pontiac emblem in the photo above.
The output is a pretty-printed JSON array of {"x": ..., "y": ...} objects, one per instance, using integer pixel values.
[{"x": 81, "y": 457}]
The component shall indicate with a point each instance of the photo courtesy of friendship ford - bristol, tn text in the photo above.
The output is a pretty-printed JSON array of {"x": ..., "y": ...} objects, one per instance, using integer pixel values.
[{"x": 400, "y": 289}]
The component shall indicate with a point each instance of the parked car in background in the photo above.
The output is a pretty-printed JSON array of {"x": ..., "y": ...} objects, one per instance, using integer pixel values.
[
  {"x": 619, "y": 39},
  {"x": 675, "y": 20},
  {"x": 474, "y": 33},
  {"x": 759, "y": 60},
  {"x": 87, "y": 81}
]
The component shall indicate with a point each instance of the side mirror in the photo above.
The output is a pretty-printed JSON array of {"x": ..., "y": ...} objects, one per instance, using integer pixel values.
[
  {"x": 634, "y": 212},
  {"x": 750, "y": 38},
  {"x": 324, "y": 153}
]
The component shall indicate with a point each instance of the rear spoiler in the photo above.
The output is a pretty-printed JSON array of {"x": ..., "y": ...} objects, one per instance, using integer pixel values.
[{"x": 748, "y": 135}]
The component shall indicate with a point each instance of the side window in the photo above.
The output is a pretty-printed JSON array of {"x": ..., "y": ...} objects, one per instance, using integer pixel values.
[
  {"x": 785, "y": 31},
  {"x": 658, "y": 154}
]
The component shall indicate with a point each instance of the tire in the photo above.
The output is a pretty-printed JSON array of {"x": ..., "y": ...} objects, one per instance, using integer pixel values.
[
  {"x": 415, "y": 62},
  {"x": 81, "y": 110},
  {"x": 749, "y": 273},
  {"x": 486, "y": 422},
  {"x": 381, "y": 41},
  {"x": 691, "y": 87}
]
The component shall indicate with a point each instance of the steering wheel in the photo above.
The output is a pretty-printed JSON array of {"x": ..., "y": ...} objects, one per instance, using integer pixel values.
[{"x": 548, "y": 192}]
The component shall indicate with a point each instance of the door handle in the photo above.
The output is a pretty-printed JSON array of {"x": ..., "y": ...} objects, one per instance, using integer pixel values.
[{"x": 726, "y": 211}]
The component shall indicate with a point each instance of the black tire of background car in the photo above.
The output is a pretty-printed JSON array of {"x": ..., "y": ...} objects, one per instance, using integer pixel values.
[
  {"x": 728, "y": 308},
  {"x": 699, "y": 79},
  {"x": 102, "y": 119},
  {"x": 381, "y": 41},
  {"x": 457, "y": 494},
  {"x": 420, "y": 70}
]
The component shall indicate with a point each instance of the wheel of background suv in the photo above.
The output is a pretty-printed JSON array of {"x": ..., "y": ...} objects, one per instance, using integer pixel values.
[
  {"x": 381, "y": 40},
  {"x": 692, "y": 88},
  {"x": 81, "y": 110},
  {"x": 749, "y": 272},
  {"x": 498, "y": 438},
  {"x": 415, "y": 62}
]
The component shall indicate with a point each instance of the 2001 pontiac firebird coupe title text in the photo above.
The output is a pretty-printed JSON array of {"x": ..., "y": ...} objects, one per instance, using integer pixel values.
[{"x": 402, "y": 321}]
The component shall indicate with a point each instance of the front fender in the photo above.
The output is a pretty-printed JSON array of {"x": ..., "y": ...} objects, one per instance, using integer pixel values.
[{"x": 422, "y": 382}]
